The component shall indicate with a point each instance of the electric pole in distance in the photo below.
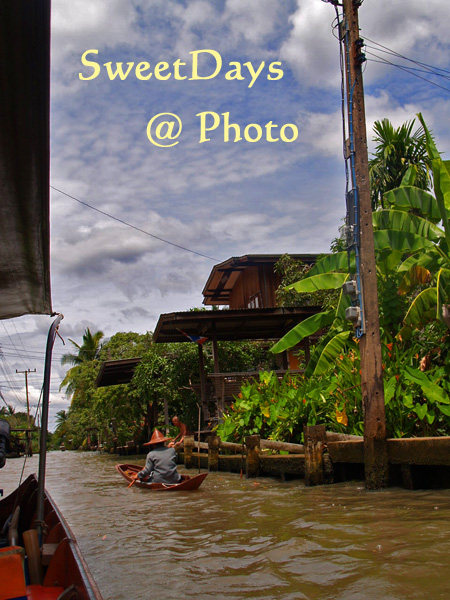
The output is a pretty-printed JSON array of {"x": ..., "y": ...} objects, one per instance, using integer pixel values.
[
  {"x": 26, "y": 387},
  {"x": 375, "y": 444}
]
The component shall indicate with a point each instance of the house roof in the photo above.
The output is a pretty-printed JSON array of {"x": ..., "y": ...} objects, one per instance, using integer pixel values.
[
  {"x": 224, "y": 275},
  {"x": 24, "y": 158},
  {"x": 230, "y": 325},
  {"x": 114, "y": 372},
  {"x": 224, "y": 325}
]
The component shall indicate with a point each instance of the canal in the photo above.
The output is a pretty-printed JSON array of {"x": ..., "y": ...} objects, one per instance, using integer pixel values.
[{"x": 236, "y": 538}]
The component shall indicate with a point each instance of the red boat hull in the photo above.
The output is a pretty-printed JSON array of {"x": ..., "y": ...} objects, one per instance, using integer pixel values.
[
  {"x": 65, "y": 566},
  {"x": 187, "y": 483}
]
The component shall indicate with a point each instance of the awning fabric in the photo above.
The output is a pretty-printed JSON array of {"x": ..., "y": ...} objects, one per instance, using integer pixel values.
[{"x": 24, "y": 158}]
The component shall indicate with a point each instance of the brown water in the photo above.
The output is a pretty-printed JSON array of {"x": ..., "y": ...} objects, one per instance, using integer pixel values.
[{"x": 236, "y": 538}]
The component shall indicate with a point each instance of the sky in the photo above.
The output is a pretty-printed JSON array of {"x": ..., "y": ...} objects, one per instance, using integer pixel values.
[{"x": 265, "y": 67}]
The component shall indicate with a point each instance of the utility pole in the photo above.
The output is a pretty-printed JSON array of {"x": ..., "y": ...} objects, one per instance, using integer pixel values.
[
  {"x": 375, "y": 444},
  {"x": 26, "y": 386}
]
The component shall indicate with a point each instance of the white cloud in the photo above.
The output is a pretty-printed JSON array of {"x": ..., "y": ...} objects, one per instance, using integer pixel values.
[{"x": 311, "y": 50}]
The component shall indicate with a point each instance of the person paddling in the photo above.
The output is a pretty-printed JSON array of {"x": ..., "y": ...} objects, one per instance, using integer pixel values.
[{"x": 161, "y": 462}]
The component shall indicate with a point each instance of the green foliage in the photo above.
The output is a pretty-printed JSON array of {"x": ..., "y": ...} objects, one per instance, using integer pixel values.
[
  {"x": 396, "y": 151},
  {"x": 278, "y": 409},
  {"x": 166, "y": 372},
  {"x": 292, "y": 272},
  {"x": 411, "y": 241},
  {"x": 417, "y": 396}
]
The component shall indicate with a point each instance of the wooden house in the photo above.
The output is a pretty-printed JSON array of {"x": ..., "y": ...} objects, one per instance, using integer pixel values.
[
  {"x": 248, "y": 281},
  {"x": 245, "y": 286}
]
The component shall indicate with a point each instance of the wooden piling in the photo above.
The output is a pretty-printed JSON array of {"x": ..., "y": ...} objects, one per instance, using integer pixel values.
[
  {"x": 253, "y": 443},
  {"x": 213, "y": 452},
  {"x": 315, "y": 440},
  {"x": 188, "y": 444}
]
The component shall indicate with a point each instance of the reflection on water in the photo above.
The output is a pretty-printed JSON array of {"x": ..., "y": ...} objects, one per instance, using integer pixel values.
[{"x": 236, "y": 538}]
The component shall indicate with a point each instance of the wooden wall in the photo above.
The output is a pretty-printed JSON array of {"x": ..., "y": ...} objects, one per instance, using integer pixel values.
[{"x": 255, "y": 288}]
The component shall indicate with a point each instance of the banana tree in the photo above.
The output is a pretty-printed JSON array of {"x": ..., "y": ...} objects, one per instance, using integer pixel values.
[
  {"x": 412, "y": 241},
  {"x": 425, "y": 243}
]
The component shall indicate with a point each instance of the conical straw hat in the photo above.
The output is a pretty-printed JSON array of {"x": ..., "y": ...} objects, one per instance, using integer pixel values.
[{"x": 157, "y": 438}]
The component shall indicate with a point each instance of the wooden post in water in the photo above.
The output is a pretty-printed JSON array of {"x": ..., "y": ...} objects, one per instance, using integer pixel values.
[
  {"x": 253, "y": 443},
  {"x": 188, "y": 444},
  {"x": 213, "y": 452},
  {"x": 315, "y": 439}
]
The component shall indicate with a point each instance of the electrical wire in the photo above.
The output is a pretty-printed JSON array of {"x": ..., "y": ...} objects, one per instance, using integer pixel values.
[
  {"x": 20, "y": 340},
  {"x": 421, "y": 67},
  {"x": 406, "y": 69},
  {"x": 431, "y": 68},
  {"x": 134, "y": 227},
  {"x": 12, "y": 342}
]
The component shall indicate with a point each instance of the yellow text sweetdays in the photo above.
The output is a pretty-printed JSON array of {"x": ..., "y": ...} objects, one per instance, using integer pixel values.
[{"x": 208, "y": 62}]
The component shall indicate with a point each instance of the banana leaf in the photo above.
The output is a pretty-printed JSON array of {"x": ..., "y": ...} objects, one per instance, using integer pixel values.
[
  {"x": 416, "y": 276},
  {"x": 319, "y": 349},
  {"x": 331, "y": 352},
  {"x": 412, "y": 197},
  {"x": 422, "y": 309},
  {"x": 443, "y": 290},
  {"x": 388, "y": 260},
  {"x": 441, "y": 177},
  {"x": 401, "y": 221},
  {"x": 410, "y": 176},
  {"x": 323, "y": 281},
  {"x": 330, "y": 263},
  {"x": 400, "y": 240},
  {"x": 304, "y": 329},
  {"x": 429, "y": 261}
]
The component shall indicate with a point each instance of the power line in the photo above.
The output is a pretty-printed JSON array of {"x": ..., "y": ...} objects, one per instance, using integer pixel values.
[
  {"x": 407, "y": 70},
  {"x": 422, "y": 67},
  {"x": 134, "y": 227},
  {"x": 20, "y": 339},
  {"x": 416, "y": 62}
]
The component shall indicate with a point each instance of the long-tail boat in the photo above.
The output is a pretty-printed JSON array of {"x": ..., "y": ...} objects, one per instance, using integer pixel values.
[
  {"x": 53, "y": 569},
  {"x": 39, "y": 556},
  {"x": 187, "y": 482}
]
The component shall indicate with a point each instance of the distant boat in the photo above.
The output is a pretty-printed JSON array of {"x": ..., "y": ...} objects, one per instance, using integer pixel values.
[{"x": 187, "y": 482}]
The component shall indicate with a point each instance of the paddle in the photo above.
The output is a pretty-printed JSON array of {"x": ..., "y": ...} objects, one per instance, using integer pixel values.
[{"x": 134, "y": 480}]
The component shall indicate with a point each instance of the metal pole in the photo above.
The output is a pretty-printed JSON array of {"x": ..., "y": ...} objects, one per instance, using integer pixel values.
[{"x": 44, "y": 424}]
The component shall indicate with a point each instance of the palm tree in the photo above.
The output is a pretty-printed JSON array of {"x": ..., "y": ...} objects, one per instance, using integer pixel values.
[
  {"x": 396, "y": 151},
  {"x": 61, "y": 418},
  {"x": 87, "y": 352}
]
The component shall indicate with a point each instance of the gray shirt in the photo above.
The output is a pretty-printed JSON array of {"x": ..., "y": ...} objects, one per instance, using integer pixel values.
[{"x": 161, "y": 465}]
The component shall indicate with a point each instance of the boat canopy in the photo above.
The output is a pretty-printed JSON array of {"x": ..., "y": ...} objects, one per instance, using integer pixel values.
[{"x": 24, "y": 158}]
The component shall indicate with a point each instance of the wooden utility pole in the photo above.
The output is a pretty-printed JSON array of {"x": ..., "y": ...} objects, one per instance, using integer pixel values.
[
  {"x": 375, "y": 445},
  {"x": 26, "y": 387}
]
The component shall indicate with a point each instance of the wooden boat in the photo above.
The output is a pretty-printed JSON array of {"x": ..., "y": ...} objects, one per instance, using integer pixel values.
[
  {"x": 58, "y": 563},
  {"x": 39, "y": 557},
  {"x": 187, "y": 483}
]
